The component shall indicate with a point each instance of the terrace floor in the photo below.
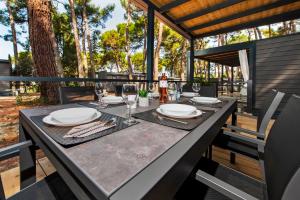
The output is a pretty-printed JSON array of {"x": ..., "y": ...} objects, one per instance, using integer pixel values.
[{"x": 10, "y": 177}]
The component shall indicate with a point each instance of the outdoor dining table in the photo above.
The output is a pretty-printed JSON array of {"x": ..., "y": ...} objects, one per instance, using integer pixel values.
[{"x": 144, "y": 161}]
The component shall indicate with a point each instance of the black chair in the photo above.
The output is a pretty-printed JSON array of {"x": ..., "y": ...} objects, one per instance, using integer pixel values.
[
  {"x": 238, "y": 144},
  {"x": 50, "y": 188},
  {"x": 280, "y": 164},
  {"x": 76, "y": 94},
  {"x": 208, "y": 90}
]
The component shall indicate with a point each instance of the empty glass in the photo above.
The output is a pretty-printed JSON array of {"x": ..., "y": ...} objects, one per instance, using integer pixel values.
[
  {"x": 179, "y": 87},
  {"x": 151, "y": 89},
  {"x": 130, "y": 97},
  {"x": 196, "y": 87},
  {"x": 99, "y": 90},
  {"x": 171, "y": 90}
]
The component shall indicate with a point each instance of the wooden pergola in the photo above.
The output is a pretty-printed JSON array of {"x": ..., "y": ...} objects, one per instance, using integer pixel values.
[{"x": 201, "y": 18}]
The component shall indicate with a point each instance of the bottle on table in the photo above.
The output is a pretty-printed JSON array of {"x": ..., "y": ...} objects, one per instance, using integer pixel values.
[{"x": 163, "y": 86}]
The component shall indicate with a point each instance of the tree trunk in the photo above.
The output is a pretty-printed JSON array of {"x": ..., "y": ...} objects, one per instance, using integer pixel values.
[
  {"x": 258, "y": 33},
  {"x": 14, "y": 36},
  {"x": 183, "y": 60},
  {"x": 60, "y": 69},
  {"x": 84, "y": 56},
  {"x": 145, "y": 48},
  {"x": 76, "y": 38},
  {"x": 292, "y": 26},
  {"x": 157, "y": 50},
  {"x": 89, "y": 42},
  {"x": 249, "y": 34},
  {"x": 128, "y": 55},
  {"x": 285, "y": 28},
  {"x": 40, "y": 33}
]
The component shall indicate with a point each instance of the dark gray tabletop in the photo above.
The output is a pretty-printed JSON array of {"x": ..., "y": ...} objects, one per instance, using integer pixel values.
[{"x": 114, "y": 163}]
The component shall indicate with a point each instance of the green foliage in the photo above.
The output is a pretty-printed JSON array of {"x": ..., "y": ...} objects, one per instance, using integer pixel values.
[
  {"x": 19, "y": 100},
  {"x": 237, "y": 37},
  {"x": 173, "y": 51},
  {"x": 65, "y": 41},
  {"x": 137, "y": 60},
  {"x": 112, "y": 44},
  {"x": 25, "y": 63},
  {"x": 23, "y": 101},
  {"x": 143, "y": 93},
  {"x": 19, "y": 13}
]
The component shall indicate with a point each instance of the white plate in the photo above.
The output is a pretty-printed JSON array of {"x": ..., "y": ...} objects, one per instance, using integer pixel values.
[
  {"x": 189, "y": 94},
  {"x": 197, "y": 113},
  {"x": 112, "y": 100},
  {"x": 177, "y": 109},
  {"x": 73, "y": 115},
  {"x": 206, "y": 100},
  {"x": 49, "y": 120}
]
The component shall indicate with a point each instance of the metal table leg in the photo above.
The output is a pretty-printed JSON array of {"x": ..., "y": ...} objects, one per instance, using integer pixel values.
[
  {"x": 234, "y": 123},
  {"x": 27, "y": 161}
]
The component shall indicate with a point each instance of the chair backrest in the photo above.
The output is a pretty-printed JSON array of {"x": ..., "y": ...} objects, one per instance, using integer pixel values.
[
  {"x": 207, "y": 90},
  {"x": 282, "y": 150},
  {"x": 268, "y": 109},
  {"x": 76, "y": 94}
]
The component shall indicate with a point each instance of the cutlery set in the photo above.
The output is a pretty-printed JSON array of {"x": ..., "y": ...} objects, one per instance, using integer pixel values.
[{"x": 91, "y": 128}]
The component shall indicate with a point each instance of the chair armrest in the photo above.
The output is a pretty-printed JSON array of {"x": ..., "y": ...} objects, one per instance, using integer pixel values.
[
  {"x": 12, "y": 150},
  {"x": 239, "y": 129},
  {"x": 259, "y": 142},
  {"x": 222, "y": 187}
]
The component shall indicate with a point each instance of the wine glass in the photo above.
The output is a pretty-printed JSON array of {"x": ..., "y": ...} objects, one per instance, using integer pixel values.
[
  {"x": 179, "y": 87},
  {"x": 99, "y": 90},
  {"x": 151, "y": 89},
  {"x": 171, "y": 90},
  {"x": 196, "y": 87},
  {"x": 130, "y": 97}
]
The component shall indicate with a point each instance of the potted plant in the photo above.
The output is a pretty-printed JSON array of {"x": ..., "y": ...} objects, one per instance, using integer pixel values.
[{"x": 143, "y": 98}]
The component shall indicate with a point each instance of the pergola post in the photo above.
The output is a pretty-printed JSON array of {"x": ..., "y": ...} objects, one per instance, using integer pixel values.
[
  {"x": 222, "y": 73},
  {"x": 150, "y": 43},
  {"x": 208, "y": 71},
  {"x": 232, "y": 79},
  {"x": 191, "y": 67}
]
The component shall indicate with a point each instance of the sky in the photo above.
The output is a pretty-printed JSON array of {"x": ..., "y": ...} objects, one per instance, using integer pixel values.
[{"x": 6, "y": 48}]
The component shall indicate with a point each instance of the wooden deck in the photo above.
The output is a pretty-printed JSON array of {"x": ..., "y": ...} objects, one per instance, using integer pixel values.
[{"x": 10, "y": 178}]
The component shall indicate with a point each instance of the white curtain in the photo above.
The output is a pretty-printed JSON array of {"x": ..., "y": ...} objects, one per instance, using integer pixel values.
[
  {"x": 244, "y": 64},
  {"x": 244, "y": 68}
]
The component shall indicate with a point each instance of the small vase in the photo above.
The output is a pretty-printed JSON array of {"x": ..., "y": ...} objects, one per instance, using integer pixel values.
[{"x": 143, "y": 101}]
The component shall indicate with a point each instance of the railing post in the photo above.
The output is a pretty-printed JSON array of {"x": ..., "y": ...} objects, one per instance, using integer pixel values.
[
  {"x": 150, "y": 43},
  {"x": 191, "y": 67}
]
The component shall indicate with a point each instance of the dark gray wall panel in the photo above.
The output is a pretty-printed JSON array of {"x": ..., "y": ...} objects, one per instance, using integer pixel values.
[{"x": 277, "y": 67}]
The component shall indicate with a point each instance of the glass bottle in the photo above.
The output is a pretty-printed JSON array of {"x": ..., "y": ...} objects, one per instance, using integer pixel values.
[{"x": 163, "y": 86}]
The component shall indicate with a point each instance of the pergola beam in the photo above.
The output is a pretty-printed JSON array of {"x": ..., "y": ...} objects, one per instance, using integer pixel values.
[
  {"x": 243, "y": 14},
  {"x": 200, "y": 13},
  {"x": 264, "y": 21},
  {"x": 144, "y": 4},
  {"x": 173, "y": 4}
]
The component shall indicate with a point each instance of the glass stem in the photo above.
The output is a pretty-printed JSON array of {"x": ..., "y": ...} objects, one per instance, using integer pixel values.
[
  {"x": 129, "y": 114},
  {"x": 99, "y": 99}
]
